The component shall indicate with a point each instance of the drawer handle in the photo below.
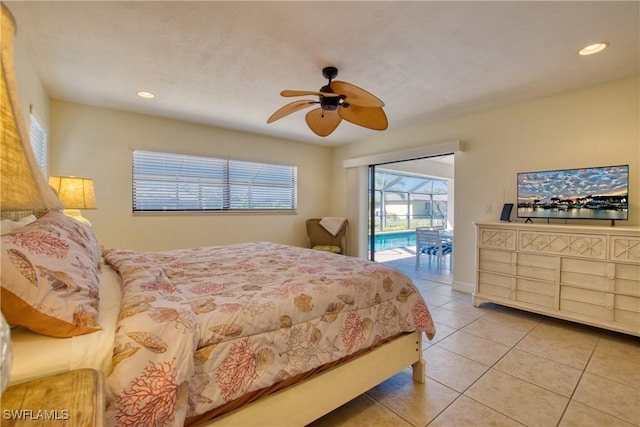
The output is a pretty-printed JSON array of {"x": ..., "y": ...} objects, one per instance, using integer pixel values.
[{"x": 611, "y": 276}]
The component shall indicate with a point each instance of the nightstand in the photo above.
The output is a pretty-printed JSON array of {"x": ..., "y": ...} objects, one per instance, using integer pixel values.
[{"x": 73, "y": 398}]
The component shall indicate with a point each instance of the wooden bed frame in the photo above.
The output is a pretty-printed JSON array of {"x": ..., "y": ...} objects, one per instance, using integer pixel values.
[{"x": 354, "y": 377}]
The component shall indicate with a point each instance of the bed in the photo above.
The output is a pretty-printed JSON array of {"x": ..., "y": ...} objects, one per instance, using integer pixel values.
[{"x": 221, "y": 335}]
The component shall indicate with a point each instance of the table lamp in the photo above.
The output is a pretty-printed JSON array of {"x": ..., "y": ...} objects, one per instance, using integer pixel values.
[{"x": 75, "y": 193}]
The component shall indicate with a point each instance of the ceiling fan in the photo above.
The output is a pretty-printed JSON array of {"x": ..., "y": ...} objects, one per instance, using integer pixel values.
[{"x": 338, "y": 100}]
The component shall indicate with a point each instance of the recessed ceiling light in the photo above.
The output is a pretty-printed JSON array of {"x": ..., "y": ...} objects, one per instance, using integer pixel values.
[
  {"x": 593, "y": 48},
  {"x": 148, "y": 95}
]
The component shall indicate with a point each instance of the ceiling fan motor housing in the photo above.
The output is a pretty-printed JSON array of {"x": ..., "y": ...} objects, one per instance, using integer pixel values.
[{"x": 329, "y": 103}]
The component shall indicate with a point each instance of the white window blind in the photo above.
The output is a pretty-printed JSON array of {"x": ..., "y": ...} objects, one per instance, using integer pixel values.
[
  {"x": 179, "y": 182},
  {"x": 38, "y": 137}
]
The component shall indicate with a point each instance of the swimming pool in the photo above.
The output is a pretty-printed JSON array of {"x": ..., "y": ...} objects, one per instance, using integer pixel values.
[{"x": 394, "y": 239}]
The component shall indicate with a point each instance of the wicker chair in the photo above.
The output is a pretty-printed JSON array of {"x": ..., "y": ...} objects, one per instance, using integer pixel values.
[{"x": 320, "y": 239}]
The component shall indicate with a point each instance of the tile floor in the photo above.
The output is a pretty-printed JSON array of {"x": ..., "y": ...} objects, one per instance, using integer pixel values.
[{"x": 496, "y": 366}]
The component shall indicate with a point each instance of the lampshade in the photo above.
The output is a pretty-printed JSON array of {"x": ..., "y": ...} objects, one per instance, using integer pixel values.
[
  {"x": 22, "y": 186},
  {"x": 74, "y": 192}
]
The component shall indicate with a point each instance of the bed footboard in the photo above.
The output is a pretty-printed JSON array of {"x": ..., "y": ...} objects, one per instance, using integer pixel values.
[
  {"x": 419, "y": 369},
  {"x": 355, "y": 377}
]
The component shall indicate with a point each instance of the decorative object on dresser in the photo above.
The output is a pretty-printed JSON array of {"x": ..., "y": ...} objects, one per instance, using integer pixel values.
[
  {"x": 586, "y": 274},
  {"x": 506, "y": 212},
  {"x": 75, "y": 193}
]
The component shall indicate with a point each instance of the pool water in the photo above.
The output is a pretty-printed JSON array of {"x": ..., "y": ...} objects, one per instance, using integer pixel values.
[{"x": 394, "y": 240}]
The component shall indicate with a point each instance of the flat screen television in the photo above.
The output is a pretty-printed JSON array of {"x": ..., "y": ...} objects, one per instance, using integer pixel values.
[{"x": 587, "y": 193}]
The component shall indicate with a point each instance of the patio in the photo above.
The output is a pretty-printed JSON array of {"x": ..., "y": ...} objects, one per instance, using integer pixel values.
[{"x": 404, "y": 259}]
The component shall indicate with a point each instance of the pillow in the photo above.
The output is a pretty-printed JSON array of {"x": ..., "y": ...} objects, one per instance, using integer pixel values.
[
  {"x": 49, "y": 276},
  {"x": 79, "y": 233},
  {"x": 9, "y": 225}
]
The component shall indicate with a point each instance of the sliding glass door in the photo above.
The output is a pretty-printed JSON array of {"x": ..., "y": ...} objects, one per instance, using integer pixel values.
[
  {"x": 372, "y": 212},
  {"x": 405, "y": 195}
]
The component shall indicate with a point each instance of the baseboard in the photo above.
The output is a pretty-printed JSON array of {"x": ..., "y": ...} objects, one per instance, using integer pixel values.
[{"x": 467, "y": 288}]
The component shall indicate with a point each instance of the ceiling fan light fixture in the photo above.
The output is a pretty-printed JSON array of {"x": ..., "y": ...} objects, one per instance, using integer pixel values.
[{"x": 593, "y": 48}]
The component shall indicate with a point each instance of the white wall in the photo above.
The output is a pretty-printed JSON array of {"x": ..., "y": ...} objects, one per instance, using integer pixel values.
[
  {"x": 96, "y": 143},
  {"x": 30, "y": 88},
  {"x": 596, "y": 126}
]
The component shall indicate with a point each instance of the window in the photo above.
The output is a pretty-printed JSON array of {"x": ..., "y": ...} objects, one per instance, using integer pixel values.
[
  {"x": 179, "y": 182},
  {"x": 38, "y": 136}
]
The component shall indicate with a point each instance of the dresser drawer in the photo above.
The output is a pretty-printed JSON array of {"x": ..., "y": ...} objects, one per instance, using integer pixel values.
[
  {"x": 537, "y": 266},
  {"x": 624, "y": 249},
  {"x": 536, "y": 292},
  {"x": 586, "y": 302},
  {"x": 496, "y": 261},
  {"x": 627, "y": 303},
  {"x": 576, "y": 245},
  {"x": 587, "y": 274},
  {"x": 497, "y": 239},
  {"x": 628, "y": 318},
  {"x": 628, "y": 279},
  {"x": 495, "y": 284}
]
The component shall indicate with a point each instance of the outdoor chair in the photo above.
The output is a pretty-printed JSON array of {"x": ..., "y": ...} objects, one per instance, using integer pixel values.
[{"x": 429, "y": 242}]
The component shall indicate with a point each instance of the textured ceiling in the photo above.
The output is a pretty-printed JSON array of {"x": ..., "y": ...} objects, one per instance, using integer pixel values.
[{"x": 224, "y": 63}]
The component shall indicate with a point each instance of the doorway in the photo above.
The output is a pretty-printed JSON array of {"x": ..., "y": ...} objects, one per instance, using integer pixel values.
[{"x": 404, "y": 195}]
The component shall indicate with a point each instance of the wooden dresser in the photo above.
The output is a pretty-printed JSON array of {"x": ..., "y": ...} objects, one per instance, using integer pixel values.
[{"x": 586, "y": 274}]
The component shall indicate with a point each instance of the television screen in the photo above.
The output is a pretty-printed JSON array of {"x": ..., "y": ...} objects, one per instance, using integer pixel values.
[{"x": 589, "y": 193}]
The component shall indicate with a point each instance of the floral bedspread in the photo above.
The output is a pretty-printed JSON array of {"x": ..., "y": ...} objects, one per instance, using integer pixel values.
[{"x": 201, "y": 327}]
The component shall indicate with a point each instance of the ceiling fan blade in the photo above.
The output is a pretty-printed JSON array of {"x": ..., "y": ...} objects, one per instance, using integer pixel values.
[
  {"x": 292, "y": 107},
  {"x": 323, "y": 122},
  {"x": 368, "y": 117},
  {"x": 356, "y": 95},
  {"x": 305, "y": 92}
]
